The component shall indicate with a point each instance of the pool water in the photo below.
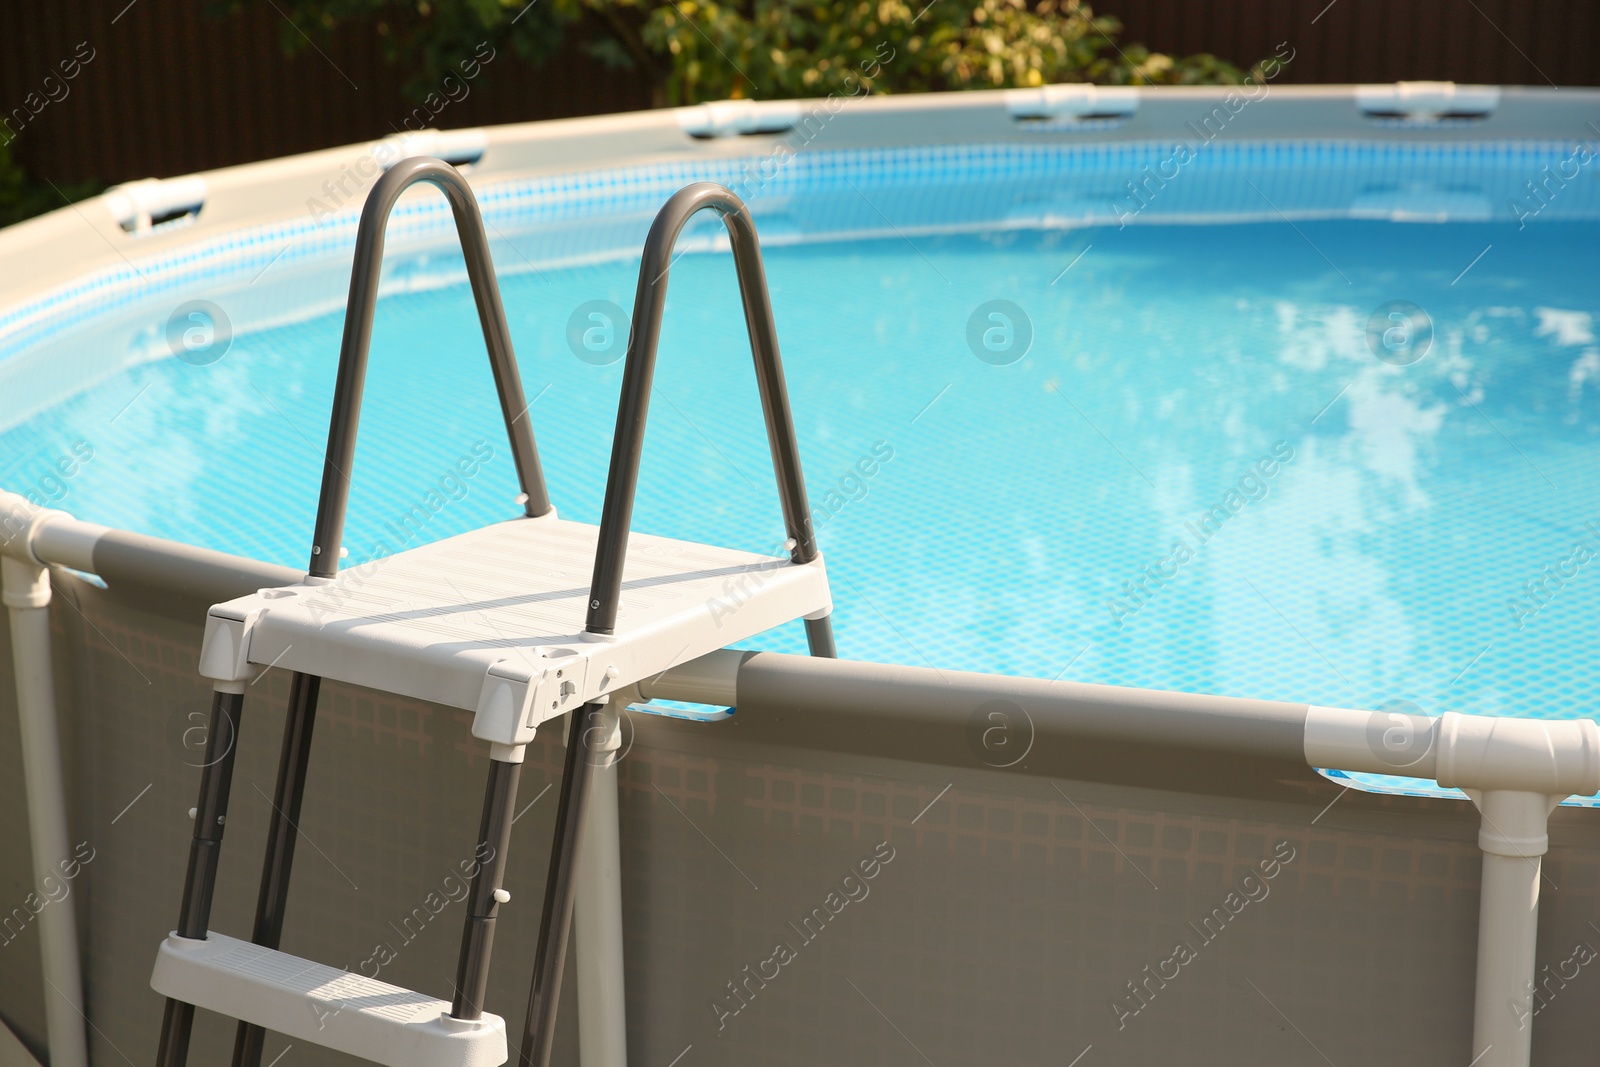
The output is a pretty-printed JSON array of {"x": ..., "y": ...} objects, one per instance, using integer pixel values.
[{"x": 1350, "y": 461}]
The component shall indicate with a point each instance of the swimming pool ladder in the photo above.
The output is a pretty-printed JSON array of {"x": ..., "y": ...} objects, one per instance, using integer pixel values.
[{"x": 493, "y": 621}]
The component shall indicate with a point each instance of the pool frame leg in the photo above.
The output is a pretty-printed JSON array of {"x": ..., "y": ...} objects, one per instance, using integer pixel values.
[{"x": 597, "y": 909}]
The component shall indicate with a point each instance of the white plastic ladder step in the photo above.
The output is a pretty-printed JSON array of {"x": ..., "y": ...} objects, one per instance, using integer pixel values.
[
  {"x": 492, "y": 620},
  {"x": 323, "y": 1005}
]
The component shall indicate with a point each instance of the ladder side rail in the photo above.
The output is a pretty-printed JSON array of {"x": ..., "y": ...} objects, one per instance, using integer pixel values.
[
  {"x": 283, "y": 830},
  {"x": 486, "y": 894},
  {"x": 616, "y": 520},
  {"x": 340, "y": 456},
  {"x": 555, "y": 915},
  {"x": 200, "y": 879},
  {"x": 639, "y": 371},
  {"x": 333, "y": 498}
]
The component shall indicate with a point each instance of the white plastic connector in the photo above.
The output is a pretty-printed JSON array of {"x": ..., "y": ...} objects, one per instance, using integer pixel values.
[
  {"x": 26, "y": 585},
  {"x": 1515, "y": 823},
  {"x": 1073, "y": 102},
  {"x": 561, "y": 688},
  {"x": 1529, "y": 755},
  {"x": 136, "y": 206},
  {"x": 460, "y": 148},
  {"x": 20, "y": 523},
  {"x": 728, "y": 118},
  {"x": 225, "y": 650},
  {"x": 1468, "y": 752},
  {"x": 1422, "y": 101},
  {"x": 518, "y": 695},
  {"x": 506, "y": 704}
]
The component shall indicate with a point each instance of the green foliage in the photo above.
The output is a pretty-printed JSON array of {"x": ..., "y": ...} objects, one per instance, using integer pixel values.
[
  {"x": 833, "y": 46},
  {"x": 697, "y": 50}
]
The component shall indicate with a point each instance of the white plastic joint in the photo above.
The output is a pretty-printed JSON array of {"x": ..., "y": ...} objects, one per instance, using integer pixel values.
[
  {"x": 460, "y": 148},
  {"x": 20, "y": 522},
  {"x": 225, "y": 650},
  {"x": 1528, "y": 755},
  {"x": 1515, "y": 823},
  {"x": 1058, "y": 102},
  {"x": 137, "y": 205},
  {"x": 1466, "y": 752},
  {"x": 517, "y": 696},
  {"x": 726, "y": 118},
  {"x": 1428, "y": 101},
  {"x": 26, "y": 585}
]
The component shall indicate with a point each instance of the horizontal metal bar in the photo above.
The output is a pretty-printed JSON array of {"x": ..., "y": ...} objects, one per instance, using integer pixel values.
[
  {"x": 157, "y": 569},
  {"x": 183, "y": 571},
  {"x": 960, "y": 718}
]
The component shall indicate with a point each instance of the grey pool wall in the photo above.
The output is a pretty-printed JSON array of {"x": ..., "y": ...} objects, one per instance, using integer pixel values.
[{"x": 1027, "y": 913}]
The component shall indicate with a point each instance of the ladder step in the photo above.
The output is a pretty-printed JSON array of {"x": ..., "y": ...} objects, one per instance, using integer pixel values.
[
  {"x": 492, "y": 620},
  {"x": 323, "y": 1005}
]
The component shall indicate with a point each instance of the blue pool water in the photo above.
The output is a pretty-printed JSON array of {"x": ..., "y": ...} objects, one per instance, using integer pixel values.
[{"x": 1206, "y": 473}]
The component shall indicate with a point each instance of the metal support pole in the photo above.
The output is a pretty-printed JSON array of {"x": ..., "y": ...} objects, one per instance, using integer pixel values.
[
  {"x": 282, "y": 831},
  {"x": 555, "y": 922},
  {"x": 483, "y": 904},
  {"x": 200, "y": 882},
  {"x": 819, "y": 637}
]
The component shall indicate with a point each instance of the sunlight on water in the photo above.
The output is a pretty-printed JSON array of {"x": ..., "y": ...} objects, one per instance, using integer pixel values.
[{"x": 1316, "y": 463}]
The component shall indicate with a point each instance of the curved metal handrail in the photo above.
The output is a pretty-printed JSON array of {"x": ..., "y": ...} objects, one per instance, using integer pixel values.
[
  {"x": 340, "y": 456},
  {"x": 616, "y": 518},
  {"x": 634, "y": 405}
]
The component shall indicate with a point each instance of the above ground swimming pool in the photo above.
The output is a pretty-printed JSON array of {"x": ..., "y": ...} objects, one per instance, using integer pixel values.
[{"x": 1296, "y": 420}]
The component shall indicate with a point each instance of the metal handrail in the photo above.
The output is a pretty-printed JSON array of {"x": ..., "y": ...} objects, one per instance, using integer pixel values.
[
  {"x": 605, "y": 592},
  {"x": 338, "y": 461},
  {"x": 340, "y": 456},
  {"x": 634, "y": 406}
]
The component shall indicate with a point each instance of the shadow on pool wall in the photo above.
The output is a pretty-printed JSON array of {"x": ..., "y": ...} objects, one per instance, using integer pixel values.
[{"x": 1007, "y": 915}]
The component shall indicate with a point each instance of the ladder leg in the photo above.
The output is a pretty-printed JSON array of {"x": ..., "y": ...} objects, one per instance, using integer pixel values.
[
  {"x": 556, "y": 921},
  {"x": 483, "y": 905},
  {"x": 819, "y": 637},
  {"x": 281, "y": 835},
  {"x": 200, "y": 881}
]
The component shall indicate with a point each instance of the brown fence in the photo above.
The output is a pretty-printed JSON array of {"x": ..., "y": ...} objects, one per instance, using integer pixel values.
[
  {"x": 172, "y": 88},
  {"x": 1492, "y": 42}
]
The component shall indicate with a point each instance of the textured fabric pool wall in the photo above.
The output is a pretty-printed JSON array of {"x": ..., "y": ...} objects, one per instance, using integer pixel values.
[{"x": 797, "y": 906}]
